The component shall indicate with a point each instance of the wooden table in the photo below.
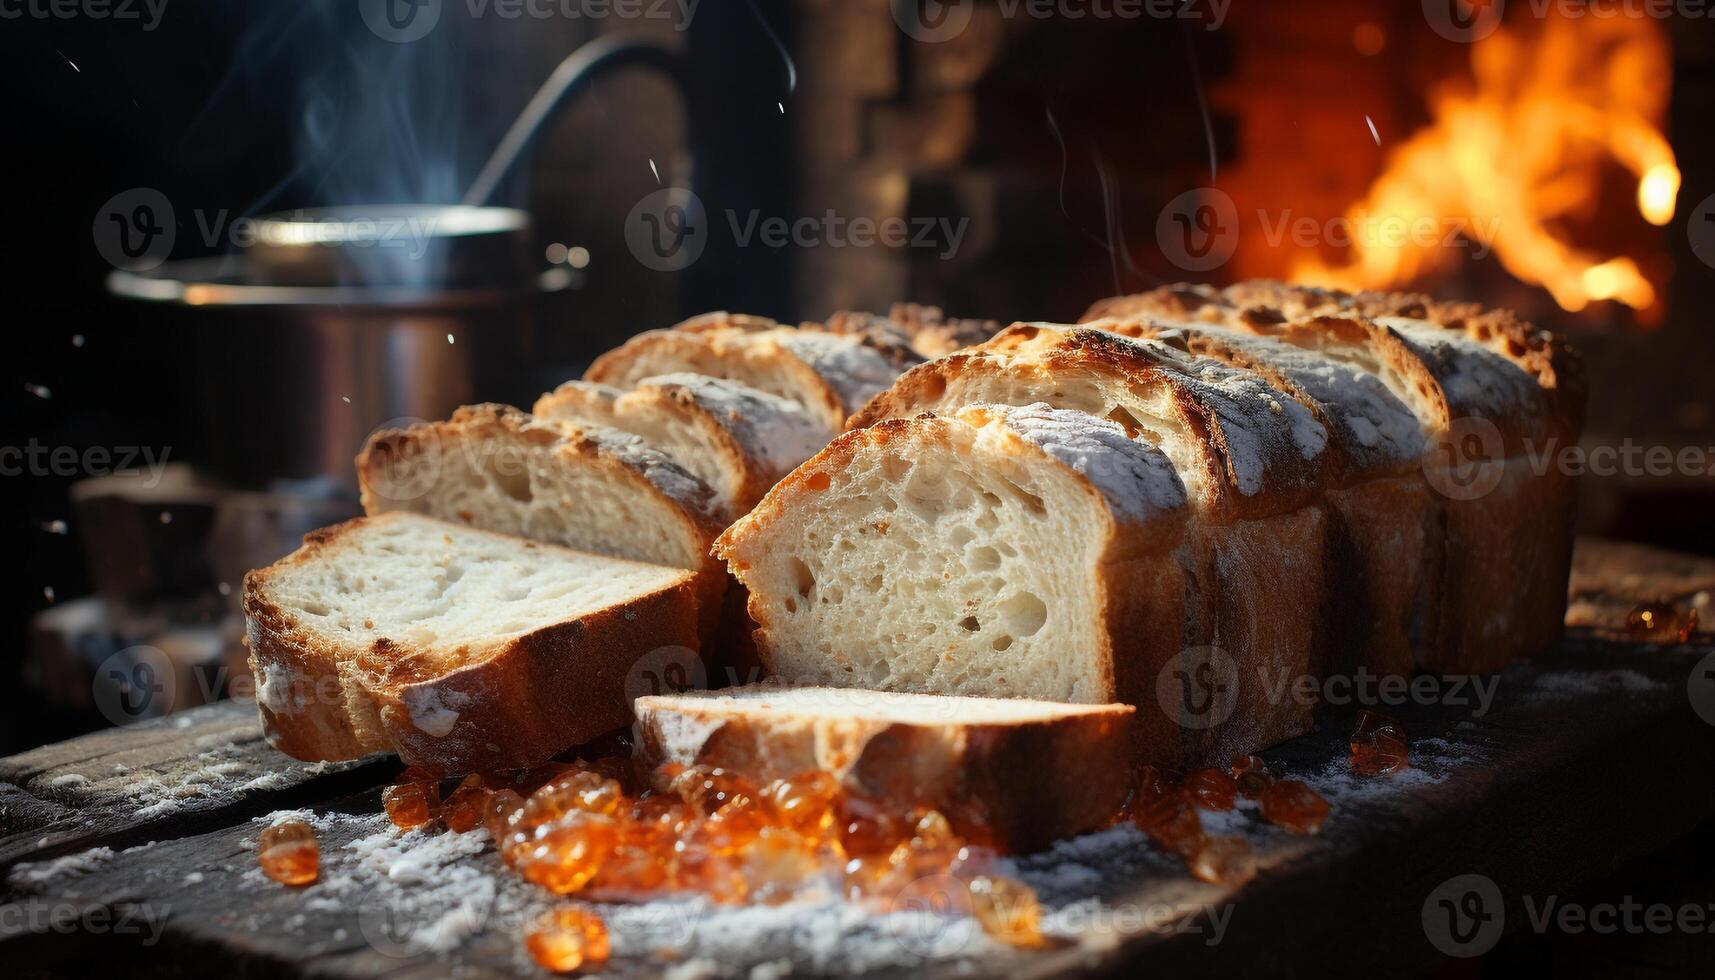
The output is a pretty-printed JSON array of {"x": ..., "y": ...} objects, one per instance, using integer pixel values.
[{"x": 134, "y": 848}]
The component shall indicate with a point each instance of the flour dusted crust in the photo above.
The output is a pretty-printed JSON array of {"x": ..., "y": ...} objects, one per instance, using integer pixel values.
[
  {"x": 830, "y": 374},
  {"x": 737, "y": 439},
  {"x": 505, "y": 702},
  {"x": 1245, "y": 447},
  {"x": 1036, "y": 772},
  {"x": 1265, "y": 307}
]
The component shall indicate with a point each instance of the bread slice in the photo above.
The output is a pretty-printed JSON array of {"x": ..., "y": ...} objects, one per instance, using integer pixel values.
[
  {"x": 459, "y": 649},
  {"x": 831, "y": 375},
  {"x": 1031, "y": 772},
  {"x": 737, "y": 439},
  {"x": 586, "y": 487}
]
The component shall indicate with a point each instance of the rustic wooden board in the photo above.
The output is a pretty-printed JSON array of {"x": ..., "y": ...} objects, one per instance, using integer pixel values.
[
  {"x": 202, "y": 768},
  {"x": 1582, "y": 763}
]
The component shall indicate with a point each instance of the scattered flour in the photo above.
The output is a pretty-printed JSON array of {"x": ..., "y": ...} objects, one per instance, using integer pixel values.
[
  {"x": 70, "y": 866},
  {"x": 1567, "y": 685}
]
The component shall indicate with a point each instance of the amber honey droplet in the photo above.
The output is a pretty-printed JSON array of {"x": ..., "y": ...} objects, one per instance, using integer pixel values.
[
  {"x": 1661, "y": 622},
  {"x": 1294, "y": 807},
  {"x": 1179, "y": 831},
  {"x": 1223, "y": 861},
  {"x": 499, "y": 810},
  {"x": 288, "y": 853},
  {"x": 569, "y": 939},
  {"x": 466, "y": 807},
  {"x": 1379, "y": 745},
  {"x": 867, "y": 828},
  {"x": 411, "y": 804},
  {"x": 1211, "y": 789},
  {"x": 568, "y": 855},
  {"x": 1251, "y": 776},
  {"x": 1007, "y": 910},
  {"x": 806, "y": 802}
]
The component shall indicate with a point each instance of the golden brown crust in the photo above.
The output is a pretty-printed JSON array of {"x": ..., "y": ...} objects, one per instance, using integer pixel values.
[
  {"x": 741, "y": 354},
  {"x": 722, "y": 320},
  {"x": 1267, "y": 307},
  {"x": 521, "y": 704},
  {"x": 1033, "y": 782},
  {"x": 1036, "y": 357},
  {"x": 915, "y": 327}
]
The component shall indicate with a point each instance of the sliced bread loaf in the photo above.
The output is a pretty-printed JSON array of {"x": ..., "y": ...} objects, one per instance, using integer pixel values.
[
  {"x": 1493, "y": 395},
  {"x": 459, "y": 649},
  {"x": 1030, "y": 552},
  {"x": 737, "y": 439},
  {"x": 1030, "y": 772}
]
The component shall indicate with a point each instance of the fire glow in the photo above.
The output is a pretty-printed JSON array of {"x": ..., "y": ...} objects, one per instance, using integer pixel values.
[{"x": 1521, "y": 147}]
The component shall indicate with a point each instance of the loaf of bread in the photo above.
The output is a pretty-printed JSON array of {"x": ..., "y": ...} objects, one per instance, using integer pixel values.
[
  {"x": 1319, "y": 530},
  {"x": 459, "y": 649},
  {"x": 1028, "y": 772},
  {"x": 1491, "y": 395}
]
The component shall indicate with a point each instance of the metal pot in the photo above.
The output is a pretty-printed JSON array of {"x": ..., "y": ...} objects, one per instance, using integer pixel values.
[{"x": 337, "y": 321}]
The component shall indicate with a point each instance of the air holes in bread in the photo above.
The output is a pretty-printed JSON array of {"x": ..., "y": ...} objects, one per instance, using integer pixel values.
[
  {"x": 511, "y": 477},
  {"x": 970, "y": 624},
  {"x": 818, "y": 480},
  {"x": 895, "y": 467},
  {"x": 1023, "y": 614},
  {"x": 985, "y": 559},
  {"x": 802, "y": 577}
]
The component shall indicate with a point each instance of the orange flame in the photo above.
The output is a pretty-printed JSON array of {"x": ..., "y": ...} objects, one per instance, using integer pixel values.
[{"x": 1520, "y": 149}]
